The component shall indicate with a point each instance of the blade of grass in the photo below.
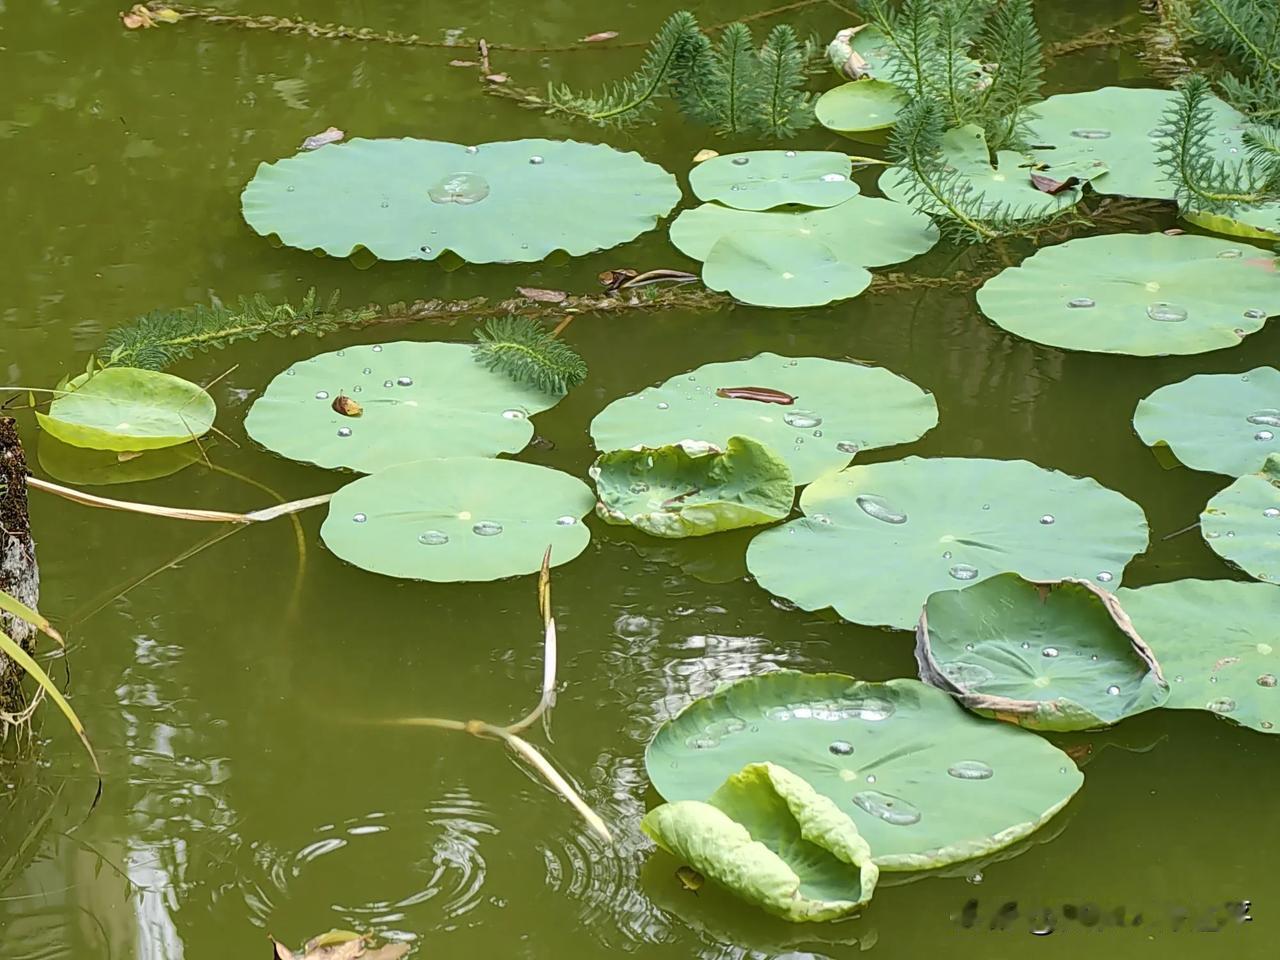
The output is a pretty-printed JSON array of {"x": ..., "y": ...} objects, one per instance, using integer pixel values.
[{"x": 11, "y": 604}]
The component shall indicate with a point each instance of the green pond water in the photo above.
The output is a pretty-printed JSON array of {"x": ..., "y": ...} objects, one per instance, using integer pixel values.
[{"x": 233, "y": 699}]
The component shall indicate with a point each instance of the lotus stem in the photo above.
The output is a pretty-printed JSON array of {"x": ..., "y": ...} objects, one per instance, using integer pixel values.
[{"x": 177, "y": 513}]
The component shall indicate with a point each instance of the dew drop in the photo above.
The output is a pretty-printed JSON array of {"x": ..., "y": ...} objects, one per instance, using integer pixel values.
[
  {"x": 473, "y": 149},
  {"x": 404, "y": 381},
  {"x": 344, "y": 431},
  {"x": 1221, "y": 705},
  {"x": 817, "y": 433},
  {"x": 841, "y": 748},
  {"x": 424, "y": 248},
  {"x": 377, "y": 348},
  {"x": 359, "y": 518},
  {"x": 1091, "y": 133},
  {"x": 1231, "y": 254},
  {"x": 801, "y": 419},
  {"x": 847, "y": 446},
  {"x": 514, "y": 414},
  {"x": 1271, "y": 513},
  {"x": 290, "y": 188},
  {"x": 946, "y": 554},
  {"x": 833, "y": 178},
  {"x": 566, "y": 521},
  {"x": 535, "y": 160},
  {"x": 874, "y": 505},
  {"x": 1049, "y": 652},
  {"x": 1166, "y": 312},
  {"x": 1113, "y": 691},
  {"x": 1081, "y": 303},
  {"x": 1265, "y": 418},
  {"x": 887, "y": 807},
  {"x": 1047, "y": 519},
  {"x": 740, "y": 161},
  {"x": 701, "y": 741},
  {"x": 963, "y": 571},
  {"x": 460, "y": 188},
  {"x": 1254, "y": 314},
  {"x": 1105, "y": 576},
  {"x": 487, "y": 528},
  {"x": 968, "y": 647},
  {"x": 433, "y": 538},
  {"x": 1264, "y": 436},
  {"x": 975, "y": 877},
  {"x": 367, "y": 370},
  {"x": 1267, "y": 680},
  {"x": 385, "y": 204},
  {"x": 387, "y": 383},
  {"x": 970, "y": 770},
  {"x": 322, "y": 394}
]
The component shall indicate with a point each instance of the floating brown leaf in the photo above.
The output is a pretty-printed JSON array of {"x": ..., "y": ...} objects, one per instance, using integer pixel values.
[
  {"x": 340, "y": 945},
  {"x": 139, "y": 16},
  {"x": 316, "y": 141},
  {"x": 761, "y": 394},
  {"x": 464, "y": 63},
  {"x": 704, "y": 154},
  {"x": 597, "y": 37},
  {"x": 613, "y": 279},
  {"x": 543, "y": 296},
  {"x": 346, "y": 406},
  {"x": 497, "y": 78},
  {"x": 1050, "y": 185}
]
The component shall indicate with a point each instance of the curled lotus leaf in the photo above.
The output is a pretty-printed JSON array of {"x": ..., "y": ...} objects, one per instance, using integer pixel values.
[
  {"x": 1221, "y": 422},
  {"x": 769, "y": 837},
  {"x": 926, "y": 782},
  {"x": 502, "y": 202},
  {"x": 761, "y": 179},
  {"x": 458, "y": 519},
  {"x": 692, "y": 488},
  {"x": 877, "y": 540},
  {"x": 860, "y": 106},
  {"x": 418, "y": 401},
  {"x": 1004, "y": 185},
  {"x": 128, "y": 409},
  {"x": 836, "y": 409},
  {"x": 1047, "y": 656},
  {"x": 1216, "y": 642},
  {"x": 1242, "y": 523},
  {"x": 1122, "y": 127},
  {"x": 1138, "y": 294}
]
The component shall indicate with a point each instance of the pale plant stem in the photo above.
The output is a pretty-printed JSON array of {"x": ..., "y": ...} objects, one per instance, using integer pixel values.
[{"x": 177, "y": 513}]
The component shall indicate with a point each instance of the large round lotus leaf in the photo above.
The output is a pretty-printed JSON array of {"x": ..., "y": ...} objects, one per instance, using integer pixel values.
[
  {"x": 1242, "y": 523},
  {"x": 693, "y": 488},
  {"x": 860, "y": 106},
  {"x": 83, "y": 467},
  {"x": 1217, "y": 645},
  {"x": 461, "y": 518},
  {"x": 1048, "y": 656},
  {"x": 1221, "y": 422},
  {"x": 926, "y": 782},
  {"x": 517, "y": 200},
  {"x": 1139, "y": 294},
  {"x": 1005, "y": 186},
  {"x": 418, "y": 400},
  {"x": 879, "y": 539},
  {"x": 770, "y": 178},
  {"x": 125, "y": 408},
  {"x": 782, "y": 270},
  {"x": 839, "y": 409},
  {"x": 1123, "y": 128},
  {"x": 863, "y": 231}
]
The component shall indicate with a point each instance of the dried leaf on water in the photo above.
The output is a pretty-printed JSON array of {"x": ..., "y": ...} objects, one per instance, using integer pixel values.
[
  {"x": 690, "y": 879},
  {"x": 613, "y": 279},
  {"x": 597, "y": 37},
  {"x": 497, "y": 78},
  {"x": 704, "y": 154},
  {"x": 1052, "y": 186},
  {"x": 761, "y": 394},
  {"x": 315, "y": 142},
  {"x": 340, "y": 945},
  {"x": 346, "y": 406},
  {"x": 140, "y": 16},
  {"x": 464, "y": 63},
  {"x": 542, "y": 295}
]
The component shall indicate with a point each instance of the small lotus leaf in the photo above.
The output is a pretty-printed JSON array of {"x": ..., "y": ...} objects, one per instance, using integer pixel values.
[
  {"x": 83, "y": 467},
  {"x": 1138, "y": 294},
  {"x": 860, "y": 106},
  {"x": 926, "y": 782},
  {"x": 1221, "y": 422},
  {"x": 781, "y": 270},
  {"x": 693, "y": 488},
  {"x": 1005, "y": 186},
  {"x": 1122, "y": 127},
  {"x": 762, "y": 179},
  {"x": 838, "y": 409},
  {"x": 125, "y": 408},
  {"x": 770, "y": 838},
  {"x": 1048, "y": 656},
  {"x": 504, "y": 202},
  {"x": 1216, "y": 642},
  {"x": 418, "y": 401},
  {"x": 863, "y": 231},
  {"x": 1242, "y": 523},
  {"x": 879, "y": 539},
  {"x": 1260, "y": 222},
  {"x": 461, "y": 518}
]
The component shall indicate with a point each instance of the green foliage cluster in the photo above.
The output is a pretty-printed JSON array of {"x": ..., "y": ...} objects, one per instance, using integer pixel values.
[
  {"x": 727, "y": 83},
  {"x": 961, "y": 62},
  {"x": 525, "y": 352},
  {"x": 158, "y": 339},
  {"x": 1248, "y": 32}
]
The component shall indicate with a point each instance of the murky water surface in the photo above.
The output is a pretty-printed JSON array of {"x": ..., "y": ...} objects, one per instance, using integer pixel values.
[{"x": 234, "y": 699}]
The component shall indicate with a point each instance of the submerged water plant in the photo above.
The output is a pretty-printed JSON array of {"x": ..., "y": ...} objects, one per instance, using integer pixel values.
[{"x": 528, "y": 354}]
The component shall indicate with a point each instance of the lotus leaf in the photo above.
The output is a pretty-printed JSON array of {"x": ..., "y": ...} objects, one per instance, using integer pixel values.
[
  {"x": 762, "y": 179},
  {"x": 1122, "y": 127},
  {"x": 1261, "y": 222},
  {"x": 783, "y": 259},
  {"x": 1221, "y": 422},
  {"x": 504, "y": 202},
  {"x": 417, "y": 400},
  {"x": 926, "y": 782},
  {"x": 125, "y": 408},
  {"x": 1048, "y": 656},
  {"x": 81, "y": 466},
  {"x": 838, "y": 409},
  {"x": 860, "y": 106},
  {"x": 461, "y": 518},
  {"x": 1006, "y": 185},
  {"x": 1216, "y": 642},
  {"x": 1138, "y": 294},
  {"x": 1242, "y": 523},
  {"x": 693, "y": 488},
  {"x": 773, "y": 840},
  {"x": 877, "y": 540}
]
